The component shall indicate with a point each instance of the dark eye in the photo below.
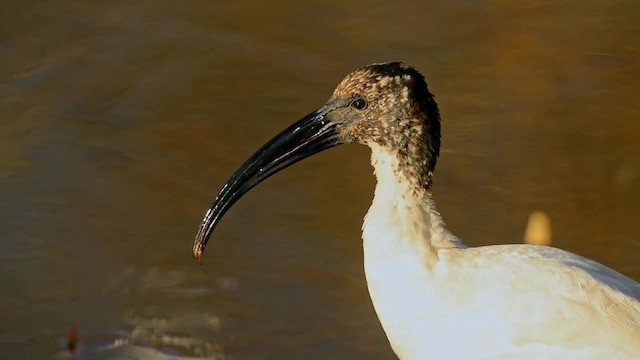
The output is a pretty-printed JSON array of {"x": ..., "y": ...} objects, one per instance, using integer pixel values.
[{"x": 359, "y": 104}]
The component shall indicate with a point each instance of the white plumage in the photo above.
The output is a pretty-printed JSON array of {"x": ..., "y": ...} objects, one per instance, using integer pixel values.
[{"x": 438, "y": 299}]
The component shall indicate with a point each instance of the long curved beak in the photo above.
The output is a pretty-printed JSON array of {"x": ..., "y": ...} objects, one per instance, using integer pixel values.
[{"x": 309, "y": 135}]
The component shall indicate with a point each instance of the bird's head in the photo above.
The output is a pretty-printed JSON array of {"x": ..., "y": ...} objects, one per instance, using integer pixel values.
[{"x": 386, "y": 106}]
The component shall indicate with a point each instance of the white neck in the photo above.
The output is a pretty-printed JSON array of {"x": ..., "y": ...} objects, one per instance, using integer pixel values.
[
  {"x": 401, "y": 217},
  {"x": 402, "y": 235}
]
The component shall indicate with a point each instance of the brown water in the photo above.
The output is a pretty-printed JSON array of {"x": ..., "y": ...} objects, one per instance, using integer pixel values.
[{"x": 120, "y": 122}]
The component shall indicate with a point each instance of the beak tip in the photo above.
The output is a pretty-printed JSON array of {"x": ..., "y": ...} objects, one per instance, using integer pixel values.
[{"x": 197, "y": 254}]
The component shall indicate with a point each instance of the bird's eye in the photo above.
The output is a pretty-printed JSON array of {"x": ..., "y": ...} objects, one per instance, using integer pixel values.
[{"x": 359, "y": 104}]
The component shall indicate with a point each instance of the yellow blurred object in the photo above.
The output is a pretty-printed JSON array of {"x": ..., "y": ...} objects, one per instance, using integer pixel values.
[{"x": 538, "y": 230}]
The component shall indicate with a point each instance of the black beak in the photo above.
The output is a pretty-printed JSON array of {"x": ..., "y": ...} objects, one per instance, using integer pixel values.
[{"x": 310, "y": 135}]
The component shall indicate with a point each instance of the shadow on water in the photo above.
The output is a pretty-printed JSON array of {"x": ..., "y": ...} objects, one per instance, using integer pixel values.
[{"x": 119, "y": 122}]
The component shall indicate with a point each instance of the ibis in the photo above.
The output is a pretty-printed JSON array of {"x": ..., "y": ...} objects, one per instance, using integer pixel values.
[{"x": 435, "y": 297}]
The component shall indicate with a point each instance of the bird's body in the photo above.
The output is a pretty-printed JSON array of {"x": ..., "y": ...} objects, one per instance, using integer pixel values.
[
  {"x": 438, "y": 299},
  {"x": 435, "y": 297}
]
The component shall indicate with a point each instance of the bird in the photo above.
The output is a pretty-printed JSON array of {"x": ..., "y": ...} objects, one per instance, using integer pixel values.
[{"x": 435, "y": 297}]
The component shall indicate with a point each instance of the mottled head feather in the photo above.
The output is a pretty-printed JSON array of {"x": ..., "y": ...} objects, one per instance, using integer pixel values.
[{"x": 402, "y": 116}]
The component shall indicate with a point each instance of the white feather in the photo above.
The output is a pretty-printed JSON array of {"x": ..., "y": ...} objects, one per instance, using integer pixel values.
[{"x": 438, "y": 299}]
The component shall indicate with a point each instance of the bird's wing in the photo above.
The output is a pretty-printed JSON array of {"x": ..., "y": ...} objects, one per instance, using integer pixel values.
[
  {"x": 600, "y": 273},
  {"x": 547, "y": 296}
]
